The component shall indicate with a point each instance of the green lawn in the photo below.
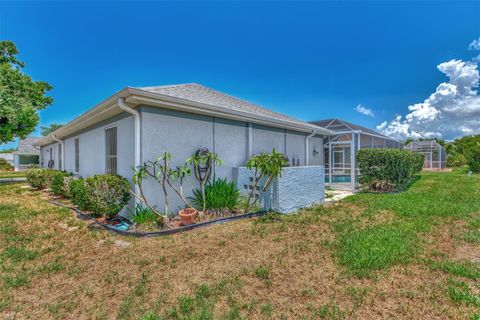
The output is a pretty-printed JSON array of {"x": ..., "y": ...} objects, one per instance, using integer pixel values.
[
  {"x": 11, "y": 174},
  {"x": 409, "y": 255}
]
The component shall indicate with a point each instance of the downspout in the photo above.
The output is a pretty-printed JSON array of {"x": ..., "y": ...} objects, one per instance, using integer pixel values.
[
  {"x": 63, "y": 151},
  {"x": 121, "y": 104},
  {"x": 136, "y": 115},
  {"x": 307, "y": 138}
]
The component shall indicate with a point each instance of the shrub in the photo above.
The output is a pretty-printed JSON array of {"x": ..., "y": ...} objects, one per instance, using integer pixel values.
[
  {"x": 66, "y": 185},
  {"x": 219, "y": 195},
  {"x": 387, "y": 169},
  {"x": 57, "y": 182},
  {"x": 107, "y": 194},
  {"x": 474, "y": 160},
  {"x": 456, "y": 160},
  {"x": 267, "y": 166},
  {"x": 78, "y": 193},
  {"x": 39, "y": 178},
  {"x": 4, "y": 165},
  {"x": 143, "y": 215}
]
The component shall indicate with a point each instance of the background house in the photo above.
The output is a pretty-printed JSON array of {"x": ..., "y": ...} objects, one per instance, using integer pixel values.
[
  {"x": 27, "y": 154},
  {"x": 434, "y": 153},
  {"x": 138, "y": 124},
  {"x": 340, "y": 148}
]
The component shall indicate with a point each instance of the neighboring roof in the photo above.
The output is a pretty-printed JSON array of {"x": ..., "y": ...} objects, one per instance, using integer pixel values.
[
  {"x": 338, "y": 125},
  {"x": 190, "y": 97},
  {"x": 26, "y": 147},
  {"x": 423, "y": 144}
]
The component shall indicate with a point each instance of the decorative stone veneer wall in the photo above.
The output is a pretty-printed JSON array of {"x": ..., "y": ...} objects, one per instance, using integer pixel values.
[{"x": 298, "y": 187}]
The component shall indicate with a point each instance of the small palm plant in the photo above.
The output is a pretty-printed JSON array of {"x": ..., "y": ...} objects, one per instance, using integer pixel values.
[
  {"x": 264, "y": 167},
  {"x": 203, "y": 162}
]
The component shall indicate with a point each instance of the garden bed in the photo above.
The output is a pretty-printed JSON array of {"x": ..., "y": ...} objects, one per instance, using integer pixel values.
[{"x": 179, "y": 228}]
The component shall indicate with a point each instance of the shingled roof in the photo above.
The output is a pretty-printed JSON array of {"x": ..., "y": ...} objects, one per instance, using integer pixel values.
[
  {"x": 26, "y": 147},
  {"x": 190, "y": 97},
  {"x": 201, "y": 94}
]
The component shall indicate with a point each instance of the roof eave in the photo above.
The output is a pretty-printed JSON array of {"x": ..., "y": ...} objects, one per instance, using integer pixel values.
[
  {"x": 140, "y": 96},
  {"x": 136, "y": 97}
]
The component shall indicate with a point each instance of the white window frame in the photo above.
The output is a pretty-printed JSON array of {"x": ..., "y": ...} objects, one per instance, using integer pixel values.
[
  {"x": 107, "y": 156},
  {"x": 76, "y": 143}
]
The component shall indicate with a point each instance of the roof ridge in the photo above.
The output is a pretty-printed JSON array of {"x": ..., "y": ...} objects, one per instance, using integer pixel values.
[
  {"x": 227, "y": 95},
  {"x": 169, "y": 85}
]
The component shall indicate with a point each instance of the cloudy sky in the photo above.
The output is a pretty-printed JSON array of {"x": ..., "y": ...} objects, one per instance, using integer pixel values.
[
  {"x": 451, "y": 111},
  {"x": 407, "y": 67}
]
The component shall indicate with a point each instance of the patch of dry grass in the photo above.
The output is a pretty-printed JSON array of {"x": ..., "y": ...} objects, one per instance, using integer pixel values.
[{"x": 54, "y": 266}]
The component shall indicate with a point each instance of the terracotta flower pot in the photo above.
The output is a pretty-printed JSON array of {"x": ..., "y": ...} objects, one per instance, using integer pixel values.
[{"x": 188, "y": 216}]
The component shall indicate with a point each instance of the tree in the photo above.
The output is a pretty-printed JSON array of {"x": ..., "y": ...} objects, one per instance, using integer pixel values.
[
  {"x": 203, "y": 162},
  {"x": 264, "y": 168},
  {"x": 49, "y": 129},
  {"x": 20, "y": 97}
]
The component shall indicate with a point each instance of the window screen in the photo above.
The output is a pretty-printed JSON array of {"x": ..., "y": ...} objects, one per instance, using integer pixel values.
[
  {"x": 111, "y": 150},
  {"x": 59, "y": 157},
  {"x": 77, "y": 155}
]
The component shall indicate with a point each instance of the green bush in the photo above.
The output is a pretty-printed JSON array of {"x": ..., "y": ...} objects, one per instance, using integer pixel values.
[
  {"x": 78, "y": 193},
  {"x": 456, "y": 160},
  {"x": 4, "y": 165},
  {"x": 39, "y": 178},
  {"x": 57, "y": 182},
  {"x": 219, "y": 195},
  {"x": 107, "y": 194},
  {"x": 387, "y": 169},
  {"x": 474, "y": 160},
  {"x": 143, "y": 215},
  {"x": 66, "y": 185}
]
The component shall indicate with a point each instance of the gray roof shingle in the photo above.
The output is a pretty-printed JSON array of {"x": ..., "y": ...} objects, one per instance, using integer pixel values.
[
  {"x": 201, "y": 94},
  {"x": 26, "y": 147}
]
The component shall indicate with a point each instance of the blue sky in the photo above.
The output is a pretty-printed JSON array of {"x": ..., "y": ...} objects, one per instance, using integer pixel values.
[{"x": 311, "y": 60}]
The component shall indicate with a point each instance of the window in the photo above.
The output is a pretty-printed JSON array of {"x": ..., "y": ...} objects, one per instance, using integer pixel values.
[
  {"x": 50, "y": 151},
  {"x": 111, "y": 150},
  {"x": 59, "y": 157},
  {"x": 77, "y": 155}
]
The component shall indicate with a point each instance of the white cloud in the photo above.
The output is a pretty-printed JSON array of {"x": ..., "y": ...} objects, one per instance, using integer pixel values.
[
  {"x": 365, "y": 111},
  {"x": 453, "y": 110},
  {"x": 475, "y": 45}
]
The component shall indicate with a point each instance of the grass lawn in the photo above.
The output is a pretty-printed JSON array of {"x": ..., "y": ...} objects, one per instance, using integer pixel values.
[
  {"x": 411, "y": 255},
  {"x": 11, "y": 174}
]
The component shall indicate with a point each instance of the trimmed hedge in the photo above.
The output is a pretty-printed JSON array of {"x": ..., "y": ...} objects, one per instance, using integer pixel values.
[
  {"x": 78, "y": 193},
  {"x": 102, "y": 195},
  {"x": 383, "y": 170},
  {"x": 40, "y": 178},
  {"x": 107, "y": 194},
  {"x": 57, "y": 182}
]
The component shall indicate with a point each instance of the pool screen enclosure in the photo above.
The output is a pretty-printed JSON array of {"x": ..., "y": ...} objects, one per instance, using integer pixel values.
[
  {"x": 340, "y": 149},
  {"x": 435, "y": 155}
]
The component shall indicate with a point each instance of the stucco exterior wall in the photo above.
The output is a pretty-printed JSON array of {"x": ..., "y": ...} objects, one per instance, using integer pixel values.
[
  {"x": 266, "y": 138},
  {"x": 181, "y": 134},
  {"x": 45, "y": 155},
  {"x": 296, "y": 188},
  {"x": 315, "y": 149},
  {"x": 92, "y": 148}
]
